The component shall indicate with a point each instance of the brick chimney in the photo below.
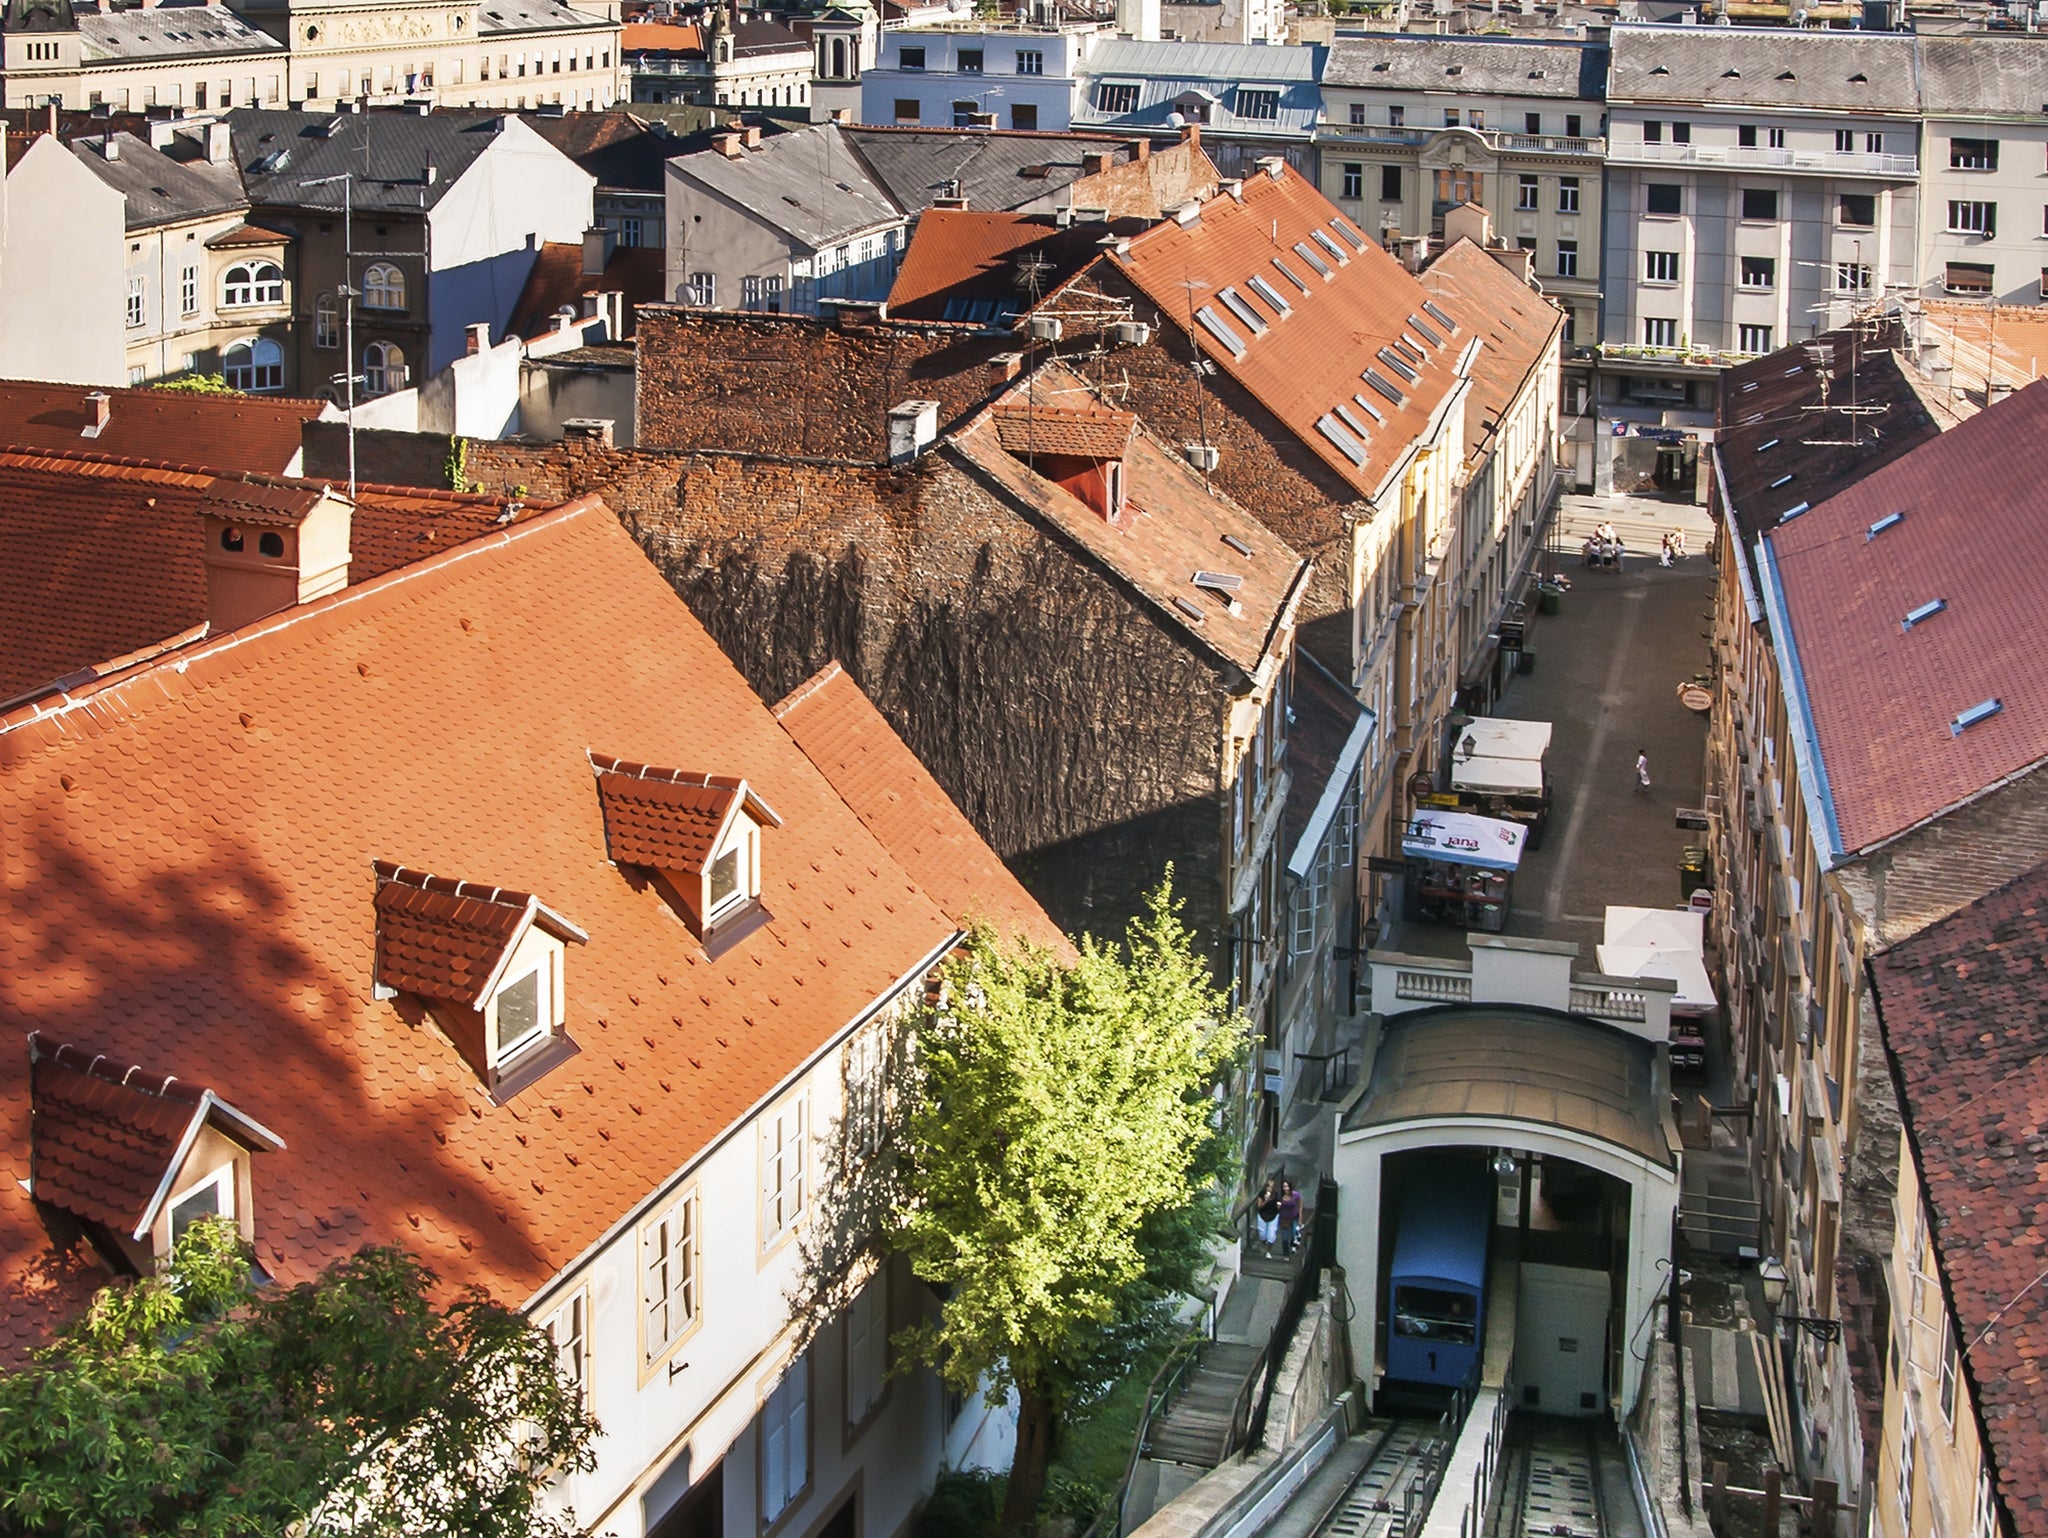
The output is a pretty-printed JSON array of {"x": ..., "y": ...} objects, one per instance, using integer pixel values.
[
  {"x": 1141, "y": 150},
  {"x": 219, "y": 144},
  {"x": 728, "y": 145},
  {"x": 1095, "y": 162},
  {"x": 593, "y": 432},
  {"x": 270, "y": 544},
  {"x": 1191, "y": 135},
  {"x": 750, "y": 137},
  {"x": 99, "y": 408}
]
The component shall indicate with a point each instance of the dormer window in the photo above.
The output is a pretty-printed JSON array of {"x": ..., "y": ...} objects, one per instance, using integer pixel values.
[
  {"x": 489, "y": 965},
  {"x": 698, "y": 835},
  {"x": 1081, "y": 449}
]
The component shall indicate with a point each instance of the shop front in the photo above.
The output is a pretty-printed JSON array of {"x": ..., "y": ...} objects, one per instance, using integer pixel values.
[{"x": 1460, "y": 868}]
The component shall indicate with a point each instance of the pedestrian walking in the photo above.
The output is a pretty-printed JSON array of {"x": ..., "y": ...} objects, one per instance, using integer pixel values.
[
  {"x": 1290, "y": 1217},
  {"x": 1678, "y": 543},
  {"x": 1664, "y": 559},
  {"x": 1267, "y": 1211},
  {"x": 1642, "y": 769}
]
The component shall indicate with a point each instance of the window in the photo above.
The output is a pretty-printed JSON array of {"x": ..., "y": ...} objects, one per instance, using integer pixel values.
[
  {"x": 213, "y": 1197},
  {"x": 383, "y": 287},
  {"x": 1532, "y": 122},
  {"x": 254, "y": 365},
  {"x": 138, "y": 305},
  {"x": 1571, "y": 125},
  {"x": 568, "y": 1329},
  {"x": 1972, "y": 218},
  {"x": 1852, "y": 277},
  {"x": 1759, "y": 203},
  {"x": 1759, "y": 272},
  {"x": 383, "y": 368},
  {"x": 1775, "y": 138},
  {"x": 1390, "y": 184},
  {"x": 632, "y": 231},
  {"x": 785, "y": 1442},
  {"x": 1949, "y": 1371},
  {"x": 1661, "y": 198},
  {"x": 1681, "y": 133},
  {"x": 1259, "y": 105},
  {"x": 1972, "y": 278},
  {"x": 1525, "y": 192},
  {"x": 1973, "y": 154},
  {"x": 1856, "y": 208},
  {"x": 520, "y": 1019},
  {"x": 249, "y": 283},
  {"x": 138, "y": 374},
  {"x": 1908, "y": 1436},
  {"x": 668, "y": 1279},
  {"x": 1354, "y": 180},
  {"x": 1567, "y": 194},
  {"x": 1450, "y": 117},
  {"x": 1653, "y": 132},
  {"x": 1525, "y": 242},
  {"x": 907, "y": 110},
  {"x": 1755, "y": 339},
  {"x": 1873, "y": 143},
  {"x": 1745, "y": 136},
  {"x": 703, "y": 289},
  {"x": 1024, "y": 117},
  {"x": 1116, "y": 96},
  {"x": 867, "y": 1349},
  {"x": 326, "y": 321},
  {"x": 782, "y": 1170},
  {"x": 1357, "y": 114},
  {"x": 910, "y": 58},
  {"x": 963, "y": 113},
  {"x": 1030, "y": 61},
  {"x": 971, "y": 60},
  {"x": 1660, "y": 266},
  {"x": 1660, "y": 333},
  {"x": 188, "y": 289},
  {"x": 1397, "y": 117},
  {"x": 1845, "y": 140},
  {"x": 1567, "y": 258},
  {"x": 1985, "y": 1523}
]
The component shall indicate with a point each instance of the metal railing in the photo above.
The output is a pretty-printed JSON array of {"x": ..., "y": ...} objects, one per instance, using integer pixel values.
[
  {"x": 1473, "y": 1523},
  {"x": 1747, "y": 157},
  {"x": 1166, "y": 1384},
  {"x": 1402, "y": 134}
]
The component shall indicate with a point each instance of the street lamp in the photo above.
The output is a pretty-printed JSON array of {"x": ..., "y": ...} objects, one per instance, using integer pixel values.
[{"x": 1771, "y": 1272}]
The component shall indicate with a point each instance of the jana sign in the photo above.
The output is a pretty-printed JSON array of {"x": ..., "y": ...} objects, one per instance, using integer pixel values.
[{"x": 1464, "y": 840}]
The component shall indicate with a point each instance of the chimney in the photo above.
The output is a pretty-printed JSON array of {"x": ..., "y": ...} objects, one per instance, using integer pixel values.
[
  {"x": 1468, "y": 221},
  {"x": 1095, "y": 162},
  {"x": 110, "y": 148},
  {"x": 1191, "y": 135},
  {"x": 99, "y": 406},
  {"x": 951, "y": 200},
  {"x": 1141, "y": 150},
  {"x": 598, "y": 245},
  {"x": 913, "y": 426},
  {"x": 589, "y": 432},
  {"x": 478, "y": 335},
  {"x": 53, "y": 117},
  {"x": 219, "y": 144},
  {"x": 727, "y": 145},
  {"x": 750, "y": 137},
  {"x": 842, "y": 115},
  {"x": 270, "y": 544},
  {"x": 1005, "y": 366},
  {"x": 161, "y": 134}
]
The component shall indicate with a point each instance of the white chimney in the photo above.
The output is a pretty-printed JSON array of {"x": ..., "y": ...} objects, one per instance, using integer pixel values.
[
  {"x": 913, "y": 426},
  {"x": 219, "y": 144}
]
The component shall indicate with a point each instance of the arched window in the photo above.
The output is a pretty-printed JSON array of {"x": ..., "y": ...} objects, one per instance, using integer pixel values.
[
  {"x": 327, "y": 321},
  {"x": 383, "y": 287},
  {"x": 838, "y": 58},
  {"x": 249, "y": 283},
  {"x": 383, "y": 369},
  {"x": 254, "y": 365}
]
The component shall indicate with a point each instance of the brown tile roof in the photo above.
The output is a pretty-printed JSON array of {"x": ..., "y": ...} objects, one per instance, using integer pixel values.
[
  {"x": 1516, "y": 326},
  {"x": 101, "y": 556},
  {"x": 968, "y": 265},
  {"x": 667, "y": 817},
  {"x": 228, "y": 432},
  {"x": 189, "y": 884},
  {"x": 247, "y": 235},
  {"x": 1173, "y": 527},
  {"x": 557, "y": 279},
  {"x": 1961, "y": 1004},
  {"x": 104, "y": 1137},
  {"x": 897, "y": 799},
  {"x": 1883, "y": 695},
  {"x": 1307, "y": 364},
  {"x": 446, "y": 939},
  {"x": 1085, "y": 432}
]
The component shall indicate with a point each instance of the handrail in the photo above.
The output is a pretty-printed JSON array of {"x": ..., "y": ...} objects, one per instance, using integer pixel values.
[{"x": 1166, "y": 1382}]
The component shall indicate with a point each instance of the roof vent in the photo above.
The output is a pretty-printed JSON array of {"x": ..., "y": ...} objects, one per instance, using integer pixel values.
[
  {"x": 1976, "y": 713},
  {"x": 1888, "y": 521},
  {"x": 1793, "y": 511},
  {"x": 1780, "y": 482},
  {"x": 1237, "y": 544},
  {"x": 1925, "y": 611}
]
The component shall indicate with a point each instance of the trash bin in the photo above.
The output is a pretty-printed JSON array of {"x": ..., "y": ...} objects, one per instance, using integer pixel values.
[
  {"x": 1525, "y": 661},
  {"x": 1692, "y": 869},
  {"x": 1549, "y": 599}
]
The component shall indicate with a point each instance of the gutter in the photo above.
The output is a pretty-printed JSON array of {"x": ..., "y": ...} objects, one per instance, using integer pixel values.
[{"x": 1813, "y": 775}]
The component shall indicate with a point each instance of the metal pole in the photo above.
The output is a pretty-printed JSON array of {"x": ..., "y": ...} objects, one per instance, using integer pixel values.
[{"x": 348, "y": 307}]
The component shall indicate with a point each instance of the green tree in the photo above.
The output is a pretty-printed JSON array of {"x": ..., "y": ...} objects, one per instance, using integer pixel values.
[
  {"x": 199, "y": 384},
  {"x": 1057, "y": 1165},
  {"x": 202, "y": 1401}
]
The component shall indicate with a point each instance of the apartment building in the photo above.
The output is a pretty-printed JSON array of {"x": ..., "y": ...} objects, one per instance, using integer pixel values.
[
  {"x": 1983, "y": 207},
  {"x": 730, "y": 60},
  {"x": 273, "y": 53},
  {"x": 1246, "y": 101},
  {"x": 969, "y": 74}
]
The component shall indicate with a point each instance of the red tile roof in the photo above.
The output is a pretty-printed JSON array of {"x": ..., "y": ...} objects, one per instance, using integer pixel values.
[
  {"x": 1883, "y": 696},
  {"x": 1173, "y": 527},
  {"x": 247, "y": 235},
  {"x": 558, "y": 279},
  {"x": 961, "y": 258},
  {"x": 1085, "y": 432},
  {"x": 100, "y": 557},
  {"x": 897, "y": 799},
  {"x": 1961, "y": 1005},
  {"x": 445, "y": 939},
  {"x": 667, "y": 817},
  {"x": 1516, "y": 326},
  {"x": 189, "y": 884},
  {"x": 661, "y": 37},
  {"x": 227, "y": 432},
  {"x": 1307, "y": 364}
]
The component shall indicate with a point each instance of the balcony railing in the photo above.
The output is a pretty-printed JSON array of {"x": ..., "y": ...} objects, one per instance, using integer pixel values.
[
  {"x": 1744, "y": 157},
  {"x": 1387, "y": 133}
]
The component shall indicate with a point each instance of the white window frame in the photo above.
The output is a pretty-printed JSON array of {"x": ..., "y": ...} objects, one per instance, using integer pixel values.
[
  {"x": 1030, "y": 61},
  {"x": 864, "y": 1071},
  {"x": 785, "y": 1460},
  {"x": 251, "y": 283},
  {"x": 1744, "y": 279},
  {"x": 1660, "y": 266},
  {"x": 669, "y": 1318},
  {"x": 867, "y": 1351},
  {"x": 221, "y": 1182},
  {"x": 1528, "y": 192},
  {"x": 1903, "y": 1490},
  {"x": 138, "y": 303},
  {"x": 703, "y": 290},
  {"x": 384, "y": 287},
  {"x": 1972, "y": 216},
  {"x": 384, "y": 377},
  {"x": 1852, "y": 277},
  {"x": 1659, "y": 331},
  {"x": 327, "y": 321},
  {"x": 188, "y": 289},
  {"x": 1567, "y": 258},
  {"x": 1754, "y": 339},
  {"x": 568, "y": 1329},
  {"x": 785, "y": 1168},
  {"x": 260, "y": 367},
  {"x": 543, "y": 974}
]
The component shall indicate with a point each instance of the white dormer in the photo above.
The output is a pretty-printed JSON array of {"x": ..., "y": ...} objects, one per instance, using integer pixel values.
[{"x": 699, "y": 834}]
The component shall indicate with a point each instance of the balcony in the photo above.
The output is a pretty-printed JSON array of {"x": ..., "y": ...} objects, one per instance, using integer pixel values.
[
  {"x": 1736, "y": 157},
  {"x": 1506, "y": 143}
]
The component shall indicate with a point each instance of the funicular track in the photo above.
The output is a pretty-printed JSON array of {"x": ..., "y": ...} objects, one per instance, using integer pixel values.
[
  {"x": 1551, "y": 1486},
  {"x": 1381, "y": 1500}
]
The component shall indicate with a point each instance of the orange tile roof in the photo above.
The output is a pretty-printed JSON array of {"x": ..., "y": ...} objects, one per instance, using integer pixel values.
[
  {"x": 959, "y": 256},
  {"x": 660, "y": 37},
  {"x": 446, "y": 939},
  {"x": 1086, "y": 432},
  {"x": 897, "y": 799},
  {"x": 1515, "y": 324},
  {"x": 1349, "y": 305},
  {"x": 228, "y": 432},
  {"x": 667, "y": 817},
  {"x": 189, "y": 884},
  {"x": 100, "y": 557}
]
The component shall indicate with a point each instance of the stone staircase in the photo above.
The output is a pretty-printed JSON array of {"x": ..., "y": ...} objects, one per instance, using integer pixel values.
[{"x": 1195, "y": 1428}]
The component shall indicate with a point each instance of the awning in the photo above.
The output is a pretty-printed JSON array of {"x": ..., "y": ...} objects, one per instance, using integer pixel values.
[
  {"x": 1659, "y": 942},
  {"x": 1498, "y": 776},
  {"x": 1462, "y": 839},
  {"x": 1493, "y": 737}
]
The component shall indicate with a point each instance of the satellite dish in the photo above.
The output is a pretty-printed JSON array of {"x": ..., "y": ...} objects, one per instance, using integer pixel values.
[{"x": 1176, "y": 120}]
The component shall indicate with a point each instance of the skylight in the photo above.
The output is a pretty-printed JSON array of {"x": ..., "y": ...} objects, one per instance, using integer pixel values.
[
  {"x": 1338, "y": 434},
  {"x": 1888, "y": 521},
  {"x": 1219, "y": 328},
  {"x": 1344, "y": 415},
  {"x": 1237, "y": 544},
  {"x": 1191, "y": 610},
  {"x": 1385, "y": 386},
  {"x": 1369, "y": 409},
  {"x": 1242, "y": 310},
  {"x": 1408, "y": 347},
  {"x": 1925, "y": 611},
  {"x": 1287, "y": 272},
  {"x": 1767, "y": 444},
  {"x": 1422, "y": 330},
  {"x": 1793, "y": 511},
  {"x": 1271, "y": 295},
  {"x": 1783, "y": 480},
  {"x": 1301, "y": 250},
  {"x": 1351, "y": 237},
  {"x": 1400, "y": 365},
  {"x": 1437, "y": 315},
  {"x": 1331, "y": 246},
  {"x": 1217, "y": 582},
  {"x": 1976, "y": 713}
]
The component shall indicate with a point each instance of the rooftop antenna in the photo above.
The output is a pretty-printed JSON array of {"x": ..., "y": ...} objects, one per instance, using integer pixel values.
[{"x": 1191, "y": 284}]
